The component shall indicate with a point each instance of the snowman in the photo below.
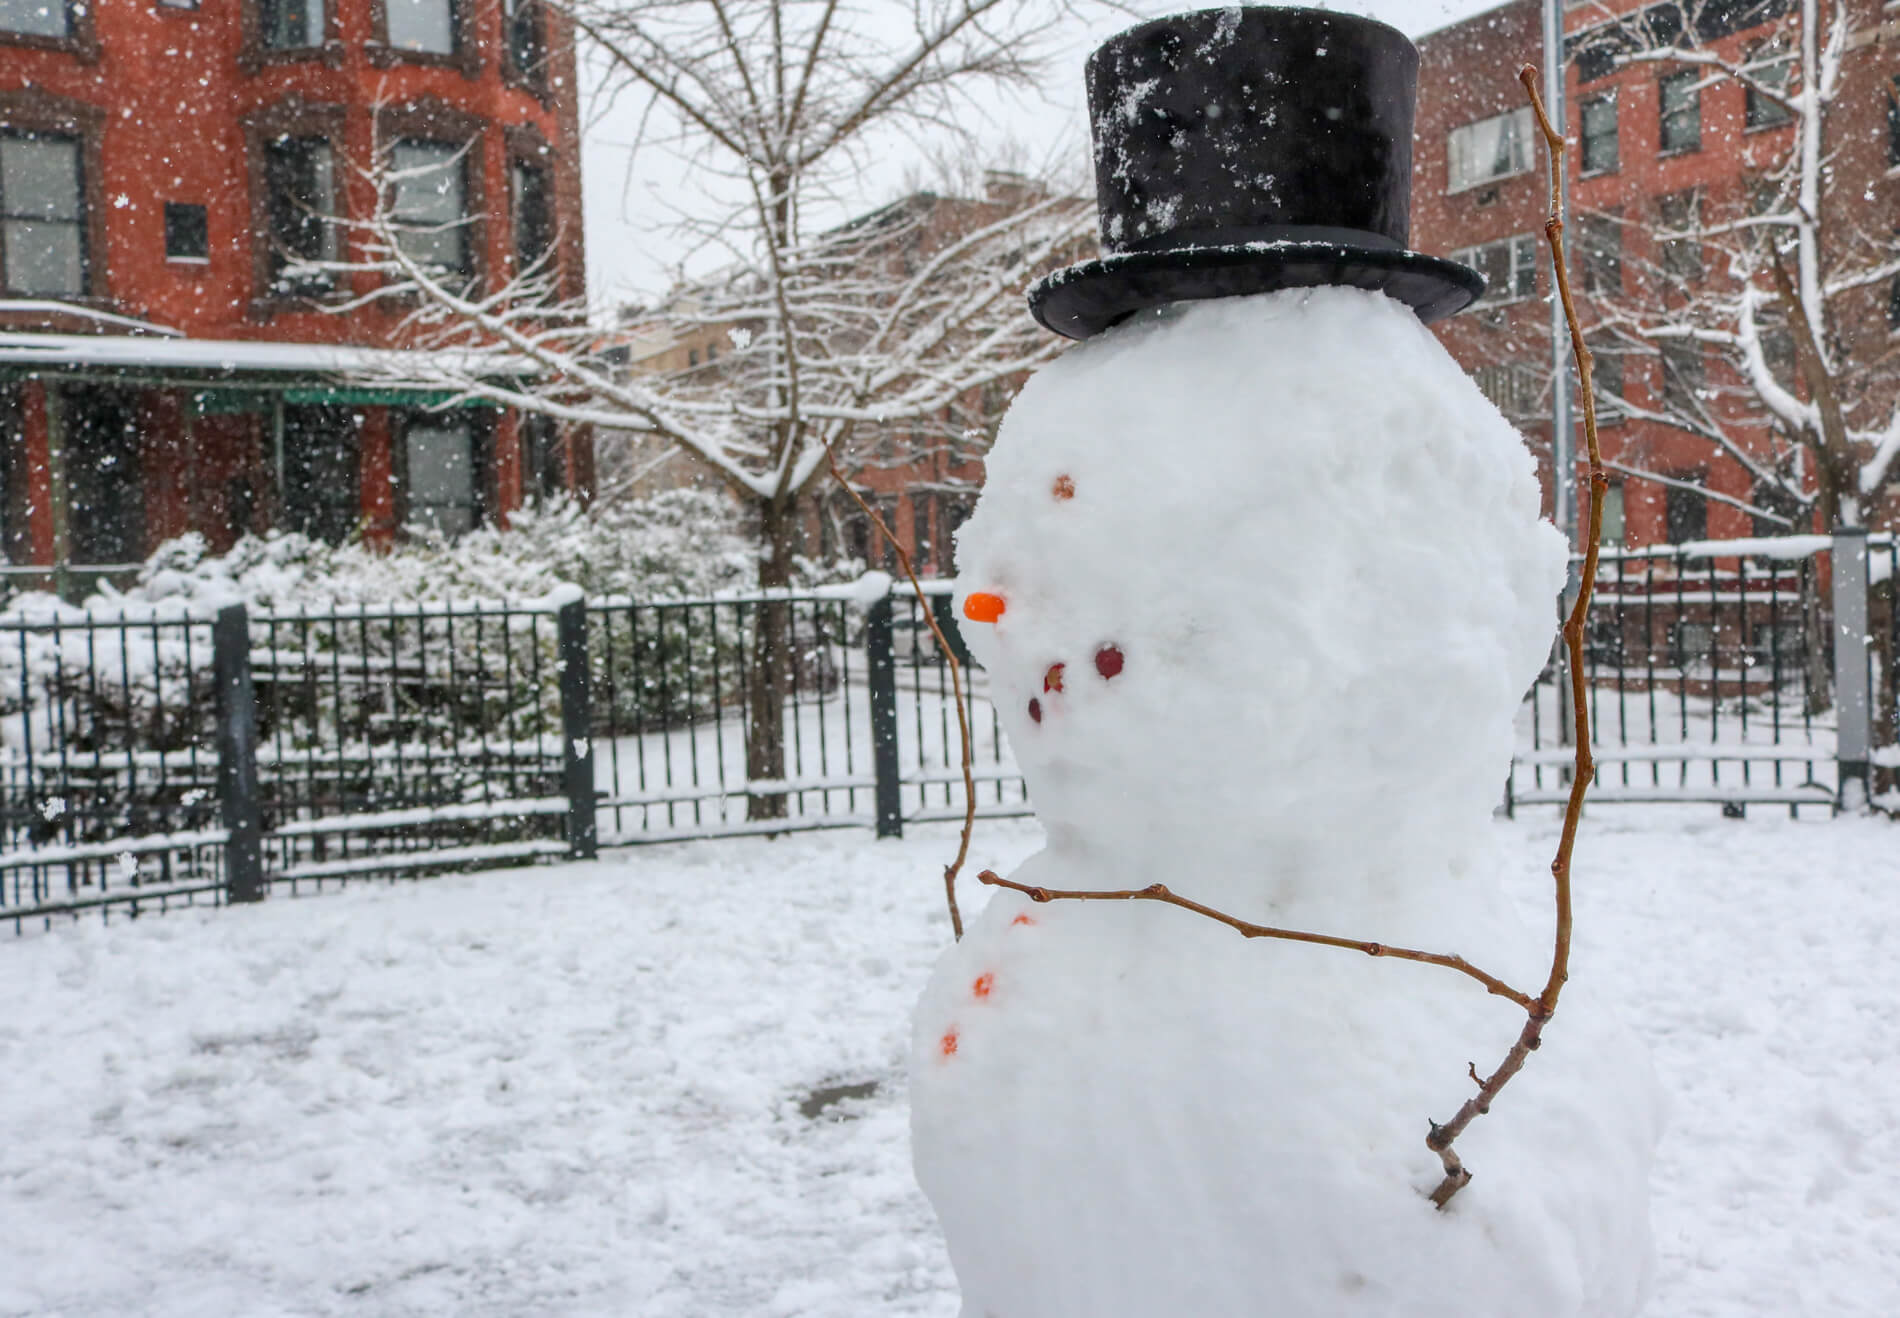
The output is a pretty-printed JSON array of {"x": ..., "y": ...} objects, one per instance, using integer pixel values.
[{"x": 1259, "y": 579}]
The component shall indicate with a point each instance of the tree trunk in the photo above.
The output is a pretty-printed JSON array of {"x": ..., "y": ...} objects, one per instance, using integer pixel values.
[{"x": 769, "y": 678}]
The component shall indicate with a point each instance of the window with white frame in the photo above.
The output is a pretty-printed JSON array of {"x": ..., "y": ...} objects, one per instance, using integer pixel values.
[
  {"x": 424, "y": 26},
  {"x": 1509, "y": 267},
  {"x": 1492, "y": 148}
]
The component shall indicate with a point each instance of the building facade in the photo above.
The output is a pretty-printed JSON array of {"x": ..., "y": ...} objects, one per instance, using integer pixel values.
[
  {"x": 1672, "y": 167},
  {"x": 181, "y": 344}
]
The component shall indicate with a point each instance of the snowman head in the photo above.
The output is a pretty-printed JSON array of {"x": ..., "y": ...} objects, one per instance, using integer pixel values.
[{"x": 1265, "y": 578}]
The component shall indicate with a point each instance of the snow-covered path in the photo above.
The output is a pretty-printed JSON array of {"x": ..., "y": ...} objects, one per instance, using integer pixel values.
[{"x": 577, "y": 1090}]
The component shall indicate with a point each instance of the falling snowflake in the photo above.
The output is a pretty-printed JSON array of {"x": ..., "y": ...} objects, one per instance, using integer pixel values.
[
  {"x": 128, "y": 866},
  {"x": 52, "y": 807},
  {"x": 740, "y": 336}
]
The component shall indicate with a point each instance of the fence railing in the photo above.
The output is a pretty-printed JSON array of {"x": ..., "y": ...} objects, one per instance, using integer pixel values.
[
  {"x": 154, "y": 758},
  {"x": 160, "y": 757}
]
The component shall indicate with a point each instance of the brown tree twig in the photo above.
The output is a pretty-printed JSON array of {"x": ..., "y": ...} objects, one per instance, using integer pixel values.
[
  {"x": 1157, "y": 892},
  {"x": 955, "y": 867},
  {"x": 1441, "y": 1137}
]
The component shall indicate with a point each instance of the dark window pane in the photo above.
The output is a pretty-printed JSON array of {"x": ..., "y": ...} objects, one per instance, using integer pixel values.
[
  {"x": 1600, "y": 245},
  {"x": 522, "y": 19},
  {"x": 1682, "y": 377},
  {"x": 1682, "y": 111},
  {"x": 322, "y": 486},
  {"x": 105, "y": 512},
  {"x": 290, "y": 24},
  {"x": 37, "y": 18},
  {"x": 300, "y": 176},
  {"x": 1599, "y": 135},
  {"x": 186, "y": 234},
  {"x": 1685, "y": 512},
  {"x": 1613, "y": 517},
  {"x": 534, "y": 215},
  {"x": 422, "y": 25},
  {"x": 541, "y": 456},
  {"x": 1893, "y": 303},
  {"x": 1680, "y": 214},
  {"x": 1893, "y": 123},
  {"x": 42, "y": 215}
]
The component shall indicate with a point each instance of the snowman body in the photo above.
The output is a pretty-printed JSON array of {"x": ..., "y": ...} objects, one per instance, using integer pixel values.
[{"x": 1275, "y": 582}]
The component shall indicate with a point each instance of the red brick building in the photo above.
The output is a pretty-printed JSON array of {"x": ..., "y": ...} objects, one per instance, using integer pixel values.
[
  {"x": 1662, "y": 155},
  {"x": 170, "y": 174}
]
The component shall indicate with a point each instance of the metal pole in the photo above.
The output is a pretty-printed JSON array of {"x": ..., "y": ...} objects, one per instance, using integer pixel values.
[
  {"x": 577, "y": 721},
  {"x": 238, "y": 790},
  {"x": 881, "y": 670},
  {"x": 1853, "y": 746},
  {"x": 1563, "y": 462}
]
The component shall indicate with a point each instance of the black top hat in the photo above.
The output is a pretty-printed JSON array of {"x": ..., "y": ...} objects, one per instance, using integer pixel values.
[{"x": 1245, "y": 150}]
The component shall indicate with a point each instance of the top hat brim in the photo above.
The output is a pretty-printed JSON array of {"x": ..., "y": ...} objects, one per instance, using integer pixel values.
[{"x": 1086, "y": 299}]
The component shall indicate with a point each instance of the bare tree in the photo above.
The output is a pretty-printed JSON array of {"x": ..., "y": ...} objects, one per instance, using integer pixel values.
[
  {"x": 825, "y": 333},
  {"x": 1803, "y": 406}
]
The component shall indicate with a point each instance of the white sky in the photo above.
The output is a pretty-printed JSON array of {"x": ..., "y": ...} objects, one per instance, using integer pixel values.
[{"x": 632, "y": 205}]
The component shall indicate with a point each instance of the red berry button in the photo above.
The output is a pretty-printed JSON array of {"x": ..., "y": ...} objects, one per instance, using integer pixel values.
[{"x": 1108, "y": 660}]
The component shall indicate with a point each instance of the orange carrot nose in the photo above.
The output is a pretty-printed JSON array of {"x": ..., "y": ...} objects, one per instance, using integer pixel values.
[{"x": 981, "y": 606}]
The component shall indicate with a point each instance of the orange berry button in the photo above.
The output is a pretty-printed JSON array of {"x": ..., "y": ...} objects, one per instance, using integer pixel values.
[
  {"x": 1064, "y": 488},
  {"x": 949, "y": 1044},
  {"x": 981, "y": 606},
  {"x": 1022, "y": 919},
  {"x": 984, "y": 983}
]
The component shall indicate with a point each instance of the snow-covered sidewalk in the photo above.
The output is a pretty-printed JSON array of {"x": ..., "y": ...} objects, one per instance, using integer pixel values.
[{"x": 602, "y": 1089}]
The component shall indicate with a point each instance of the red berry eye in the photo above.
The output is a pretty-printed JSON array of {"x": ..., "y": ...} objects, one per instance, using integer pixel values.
[
  {"x": 1108, "y": 660},
  {"x": 1035, "y": 710}
]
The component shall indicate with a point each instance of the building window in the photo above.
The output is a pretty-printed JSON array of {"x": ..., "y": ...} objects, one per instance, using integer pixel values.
[
  {"x": 105, "y": 501},
  {"x": 542, "y": 468},
  {"x": 1776, "y": 500},
  {"x": 1613, "y": 528},
  {"x": 319, "y": 466},
  {"x": 1768, "y": 69},
  {"x": 533, "y": 216},
  {"x": 300, "y": 191},
  {"x": 1509, "y": 267},
  {"x": 1606, "y": 381},
  {"x": 1497, "y": 147},
  {"x": 42, "y": 215},
  {"x": 430, "y": 204},
  {"x": 441, "y": 482},
  {"x": 1600, "y": 245},
  {"x": 37, "y": 18},
  {"x": 1681, "y": 101},
  {"x": 187, "y": 232},
  {"x": 1678, "y": 249},
  {"x": 289, "y": 24},
  {"x": 1685, "y": 511},
  {"x": 525, "y": 50},
  {"x": 1513, "y": 388},
  {"x": 1598, "y": 121},
  {"x": 1682, "y": 377},
  {"x": 425, "y": 27},
  {"x": 1777, "y": 351},
  {"x": 1893, "y": 304}
]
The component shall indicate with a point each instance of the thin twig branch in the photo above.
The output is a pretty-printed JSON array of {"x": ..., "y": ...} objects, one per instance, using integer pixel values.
[
  {"x": 1457, "y": 1175},
  {"x": 955, "y": 867},
  {"x": 1157, "y": 892}
]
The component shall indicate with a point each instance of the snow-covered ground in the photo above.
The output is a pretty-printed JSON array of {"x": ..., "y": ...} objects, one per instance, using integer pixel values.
[{"x": 578, "y": 1089}]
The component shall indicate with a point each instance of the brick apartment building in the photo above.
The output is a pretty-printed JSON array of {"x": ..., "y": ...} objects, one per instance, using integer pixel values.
[
  {"x": 167, "y": 361},
  {"x": 1661, "y": 151}
]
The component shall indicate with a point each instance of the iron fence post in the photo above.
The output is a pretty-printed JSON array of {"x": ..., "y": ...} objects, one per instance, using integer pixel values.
[
  {"x": 1853, "y": 709},
  {"x": 577, "y": 743},
  {"x": 237, "y": 755},
  {"x": 881, "y": 668}
]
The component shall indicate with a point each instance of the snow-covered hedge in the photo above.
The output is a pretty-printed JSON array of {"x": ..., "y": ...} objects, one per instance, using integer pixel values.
[{"x": 89, "y": 691}]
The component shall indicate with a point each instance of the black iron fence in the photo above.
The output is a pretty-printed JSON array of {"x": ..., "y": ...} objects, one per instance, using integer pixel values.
[{"x": 150, "y": 759}]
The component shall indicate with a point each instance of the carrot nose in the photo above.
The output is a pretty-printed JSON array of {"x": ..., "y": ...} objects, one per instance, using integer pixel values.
[{"x": 981, "y": 606}]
